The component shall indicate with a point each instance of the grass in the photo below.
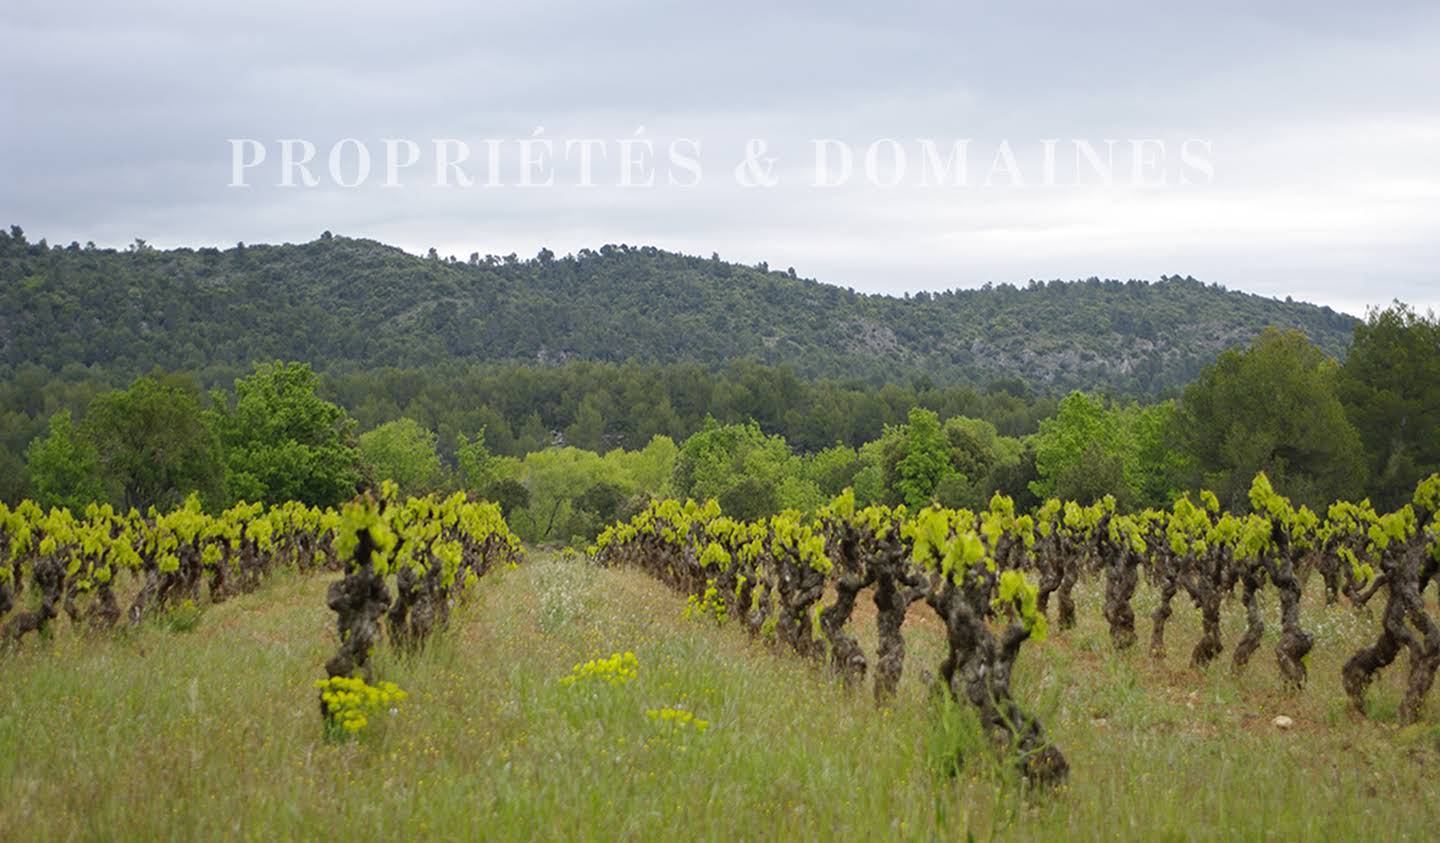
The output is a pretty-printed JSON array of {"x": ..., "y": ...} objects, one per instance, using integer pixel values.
[{"x": 211, "y": 730}]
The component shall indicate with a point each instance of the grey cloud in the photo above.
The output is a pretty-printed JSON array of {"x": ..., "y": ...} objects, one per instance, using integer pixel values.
[{"x": 114, "y": 120}]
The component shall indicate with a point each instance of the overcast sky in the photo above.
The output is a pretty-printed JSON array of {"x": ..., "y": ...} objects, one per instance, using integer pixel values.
[{"x": 1315, "y": 129}]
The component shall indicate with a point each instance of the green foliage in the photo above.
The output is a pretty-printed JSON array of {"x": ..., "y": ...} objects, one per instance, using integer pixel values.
[
  {"x": 588, "y": 429},
  {"x": 363, "y": 517},
  {"x": 944, "y": 540},
  {"x": 340, "y": 302},
  {"x": 711, "y": 604},
  {"x": 402, "y": 451},
  {"x": 960, "y": 466},
  {"x": 569, "y": 494},
  {"x": 1091, "y": 449},
  {"x": 64, "y": 469},
  {"x": 1080, "y": 453},
  {"x": 1156, "y": 466},
  {"x": 479, "y": 468},
  {"x": 650, "y": 468},
  {"x": 283, "y": 442},
  {"x": 152, "y": 445},
  {"x": 1022, "y": 596},
  {"x": 978, "y": 451},
  {"x": 344, "y": 313},
  {"x": 1390, "y": 386},
  {"x": 182, "y": 617},
  {"x": 792, "y": 536},
  {"x": 925, "y": 460},
  {"x": 1427, "y": 495},
  {"x": 509, "y": 494},
  {"x": 1272, "y": 408},
  {"x": 517, "y": 407},
  {"x": 833, "y": 469},
  {"x": 751, "y": 474}
]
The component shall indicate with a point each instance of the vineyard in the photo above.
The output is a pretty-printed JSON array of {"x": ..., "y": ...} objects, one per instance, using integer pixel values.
[
  {"x": 997, "y": 568},
  {"x": 435, "y": 549},
  {"x": 442, "y": 645},
  {"x": 793, "y": 448}
]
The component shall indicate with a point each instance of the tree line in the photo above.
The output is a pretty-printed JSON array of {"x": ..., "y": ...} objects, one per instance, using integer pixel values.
[
  {"x": 526, "y": 408},
  {"x": 342, "y": 304},
  {"x": 595, "y": 441}
]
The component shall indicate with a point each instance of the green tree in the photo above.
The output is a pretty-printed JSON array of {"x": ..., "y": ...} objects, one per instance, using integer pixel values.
[
  {"x": 649, "y": 469},
  {"x": 509, "y": 494},
  {"x": 833, "y": 469},
  {"x": 1080, "y": 452},
  {"x": 61, "y": 306},
  {"x": 283, "y": 442},
  {"x": 152, "y": 445},
  {"x": 554, "y": 479},
  {"x": 1390, "y": 386},
  {"x": 1156, "y": 467},
  {"x": 972, "y": 447},
  {"x": 1091, "y": 474},
  {"x": 1091, "y": 449},
  {"x": 925, "y": 460},
  {"x": 588, "y": 429},
  {"x": 478, "y": 467},
  {"x": 403, "y": 451},
  {"x": 879, "y": 478},
  {"x": 602, "y": 500},
  {"x": 984, "y": 462},
  {"x": 1272, "y": 407},
  {"x": 1015, "y": 478},
  {"x": 569, "y": 494},
  {"x": 14, "y": 476},
  {"x": 64, "y": 469},
  {"x": 742, "y": 468},
  {"x": 532, "y": 435}
]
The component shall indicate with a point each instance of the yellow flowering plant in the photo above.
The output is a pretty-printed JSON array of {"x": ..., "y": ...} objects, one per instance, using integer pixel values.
[
  {"x": 618, "y": 669},
  {"x": 677, "y": 718},
  {"x": 350, "y": 703}
]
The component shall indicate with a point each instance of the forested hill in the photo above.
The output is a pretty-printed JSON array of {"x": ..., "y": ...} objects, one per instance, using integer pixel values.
[{"x": 340, "y": 303}]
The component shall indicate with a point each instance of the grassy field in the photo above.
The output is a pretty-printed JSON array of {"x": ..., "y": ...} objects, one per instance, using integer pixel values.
[{"x": 214, "y": 732}]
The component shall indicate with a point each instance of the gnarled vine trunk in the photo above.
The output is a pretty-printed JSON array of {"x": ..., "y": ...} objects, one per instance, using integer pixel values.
[
  {"x": 420, "y": 605},
  {"x": 48, "y": 574},
  {"x": 1254, "y": 622},
  {"x": 1161, "y": 616},
  {"x": 847, "y": 660},
  {"x": 1121, "y": 578},
  {"x": 358, "y": 599},
  {"x": 1406, "y": 571},
  {"x": 897, "y": 586},
  {"x": 977, "y": 668},
  {"x": 800, "y": 587},
  {"x": 1294, "y": 642}
]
